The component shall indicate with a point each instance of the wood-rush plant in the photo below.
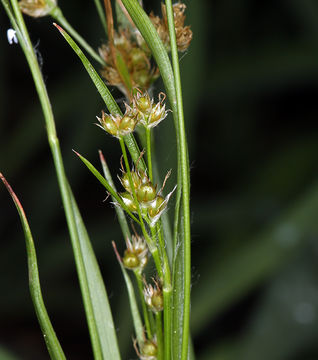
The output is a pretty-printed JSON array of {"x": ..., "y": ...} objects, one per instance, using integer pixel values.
[{"x": 133, "y": 57}]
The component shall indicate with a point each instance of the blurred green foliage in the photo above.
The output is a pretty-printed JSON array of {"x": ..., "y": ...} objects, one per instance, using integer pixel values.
[{"x": 250, "y": 83}]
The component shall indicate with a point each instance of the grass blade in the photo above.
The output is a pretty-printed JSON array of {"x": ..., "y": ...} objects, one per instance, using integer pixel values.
[
  {"x": 52, "y": 343},
  {"x": 101, "y": 312},
  {"x": 106, "y": 184}
]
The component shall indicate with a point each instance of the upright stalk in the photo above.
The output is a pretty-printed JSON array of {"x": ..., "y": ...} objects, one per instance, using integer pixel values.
[
  {"x": 148, "y": 153},
  {"x": 152, "y": 246},
  {"x": 184, "y": 165}
]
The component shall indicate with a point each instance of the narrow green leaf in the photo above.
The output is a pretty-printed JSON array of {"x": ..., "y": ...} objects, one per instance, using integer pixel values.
[
  {"x": 101, "y": 312},
  {"x": 105, "y": 183},
  {"x": 52, "y": 343},
  {"x": 139, "y": 329}
]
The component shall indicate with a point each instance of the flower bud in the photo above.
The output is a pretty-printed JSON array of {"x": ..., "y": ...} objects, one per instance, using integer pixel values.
[
  {"x": 143, "y": 102},
  {"x": 37, "y": 8},
  {"x": 153, "y": 297},
  {"x": 136, "y": 254},
  {"x": 130, "y": 260},
  {"x": 149, "y": 350},
  {"x": 117, "y": 125}
]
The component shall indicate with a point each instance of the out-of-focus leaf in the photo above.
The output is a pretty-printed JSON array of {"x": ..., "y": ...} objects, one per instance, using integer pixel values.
[
  {"x": 52, "y": 343},
  {"x": 5, "y": 354},
  {"x": 254, "y": 262}
]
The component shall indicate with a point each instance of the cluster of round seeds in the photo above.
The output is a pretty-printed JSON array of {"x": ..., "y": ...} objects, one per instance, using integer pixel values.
[
  {"x": 136, "y": 253},
  {"x": 150, "y": 201},
  {"x": 142, "y": 111}
]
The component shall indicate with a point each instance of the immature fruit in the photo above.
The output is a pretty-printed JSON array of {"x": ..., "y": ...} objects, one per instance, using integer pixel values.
[
  {"x": 146, "y": 192},
  {"x": 131, "y": 260}
]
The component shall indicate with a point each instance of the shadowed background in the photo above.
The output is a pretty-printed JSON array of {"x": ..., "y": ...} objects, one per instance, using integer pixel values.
[{"x": 250, "y": 80}]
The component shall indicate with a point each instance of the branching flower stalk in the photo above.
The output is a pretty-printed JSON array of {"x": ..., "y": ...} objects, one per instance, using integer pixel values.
[{"x": 127, "y": 62}]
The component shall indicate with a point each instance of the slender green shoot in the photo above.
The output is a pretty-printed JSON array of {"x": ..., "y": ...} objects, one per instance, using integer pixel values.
[
  {"x": 52, "y": 343},
  {"x": 101, "y": 14},
  {"x": 143, "y": 304},
  {"x": 148, "y": 153},
  {"x": 57, "y": 14},
  {"x": 184, "y": 165},
  {"x": 160, "y": 340}
]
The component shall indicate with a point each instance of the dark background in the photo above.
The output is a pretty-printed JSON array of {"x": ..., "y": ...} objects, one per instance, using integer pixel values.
[{"x": 250, "y": 86}]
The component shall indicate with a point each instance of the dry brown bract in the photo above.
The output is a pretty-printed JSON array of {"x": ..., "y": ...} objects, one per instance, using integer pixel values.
[{"x": 183, "y": 33}]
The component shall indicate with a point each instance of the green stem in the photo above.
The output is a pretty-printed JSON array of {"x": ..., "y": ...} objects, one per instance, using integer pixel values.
[
  {"x": 152, "y": 246},
  {"x": 185, "y": 182},
  {"x": 101, "y": 14},
  {"x": 143, "y": 304},
  {"x": 159, "y": 336},
  {"x": 57, "y": 14},
  {"x": 167, "y": 294},
  {"x": 148, "y": 152},
  {"x": 58, "y": 162}
]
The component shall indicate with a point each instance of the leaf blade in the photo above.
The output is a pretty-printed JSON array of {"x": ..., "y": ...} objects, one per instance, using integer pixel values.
[{"x": 54, "y": 348}]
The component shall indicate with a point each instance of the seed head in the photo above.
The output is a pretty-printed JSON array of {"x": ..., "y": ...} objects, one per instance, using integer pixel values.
[
  {"x": 117, "y": 125},
  {"x": 136, "y": 254},
  {"x": 148, "y": 113},
  {"x": 148, "y": 349},
  {"x": 153, "y": 297},
  {"x": 183, "y": 33}
]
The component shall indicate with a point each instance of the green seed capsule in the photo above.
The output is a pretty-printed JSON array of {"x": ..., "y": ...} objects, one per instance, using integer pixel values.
[
  {"x": 156, "y": 206},
  {"x": 127, "y": 123},
  {"x": 149, "y": 349},
  {"x": 146, "y": 192},
  {"x": 157, "y": 302},
  {"x": 143, "y": 103},
  {"x": 130, "y": 260}
]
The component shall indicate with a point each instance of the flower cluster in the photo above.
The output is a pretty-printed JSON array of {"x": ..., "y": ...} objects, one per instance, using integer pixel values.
[
  {"x": 141, "y": 72},
  {"x": 153, "y": 297},
  {"x": 183, "y": 33},
  {"x": 142, "y": 111},
  {"x": 148, "y": 113},
  {"x": 118, "y": 125},
  {"x": 148, "y": 349},
  {"x": 37, "y": 8},
  {"x": 150, "y": 201},
  {"x": 136, "y": 254}
]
